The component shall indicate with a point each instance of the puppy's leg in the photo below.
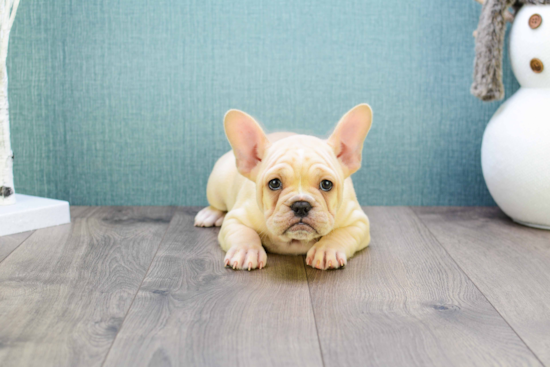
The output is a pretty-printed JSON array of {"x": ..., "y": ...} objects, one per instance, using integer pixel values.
[
  {"x": 209, "y": 217},
  {"x": 333, "y": 250},
  {"x": 243, "y": 245}
]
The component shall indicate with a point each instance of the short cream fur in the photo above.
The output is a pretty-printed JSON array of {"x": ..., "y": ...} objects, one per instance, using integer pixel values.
[{"x": 254, "y": 216}]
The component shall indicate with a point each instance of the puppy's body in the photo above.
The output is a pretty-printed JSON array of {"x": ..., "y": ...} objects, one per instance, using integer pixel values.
[{"x": 299, "y": 215}]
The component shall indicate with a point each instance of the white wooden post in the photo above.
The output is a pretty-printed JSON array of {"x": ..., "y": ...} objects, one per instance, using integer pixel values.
[
  {"x": 29, "y": 212},
  {"x": 8, "y": 9}
]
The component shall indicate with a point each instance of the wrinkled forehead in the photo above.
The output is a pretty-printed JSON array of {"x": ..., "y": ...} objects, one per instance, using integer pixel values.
[{"x": 302, "y": 155}]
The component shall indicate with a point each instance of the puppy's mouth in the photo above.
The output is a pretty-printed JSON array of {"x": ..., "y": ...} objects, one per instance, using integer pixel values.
[{"x": 300, "y": 226}]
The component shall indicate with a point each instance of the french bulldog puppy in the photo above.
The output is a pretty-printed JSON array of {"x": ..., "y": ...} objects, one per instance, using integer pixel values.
[{"x": 290, "y": 193}]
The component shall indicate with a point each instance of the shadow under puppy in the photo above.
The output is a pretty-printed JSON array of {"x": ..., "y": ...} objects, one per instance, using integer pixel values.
[{"x": 291, "y": 193}]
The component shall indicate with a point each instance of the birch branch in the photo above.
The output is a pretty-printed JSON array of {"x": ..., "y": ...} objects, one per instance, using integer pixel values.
[{"x": 8, "y": 10}]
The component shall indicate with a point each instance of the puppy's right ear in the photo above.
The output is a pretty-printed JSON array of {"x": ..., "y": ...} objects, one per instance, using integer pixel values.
[
  {"x": 349, "y": 135},
  {"x": 248, "y": 141}
]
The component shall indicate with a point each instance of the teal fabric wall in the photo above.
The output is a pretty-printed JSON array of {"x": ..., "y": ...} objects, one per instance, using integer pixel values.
[{"x": 120, "y": 102}]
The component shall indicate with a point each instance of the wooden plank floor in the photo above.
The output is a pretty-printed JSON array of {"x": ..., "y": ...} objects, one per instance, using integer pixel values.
[
  {"x": 509, "y": 263},
  {"x": 140, "y": 286}
]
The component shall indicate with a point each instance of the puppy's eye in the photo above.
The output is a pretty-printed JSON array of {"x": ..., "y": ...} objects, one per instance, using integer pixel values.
[
  {"x": 275, "y": 184},
  {"x": 326, "y": 185}
]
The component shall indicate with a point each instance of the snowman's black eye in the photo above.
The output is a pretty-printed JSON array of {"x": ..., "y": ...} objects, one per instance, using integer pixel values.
[
  {"x": 275, "y": 184},
  {"x": 325, "y": 185}
]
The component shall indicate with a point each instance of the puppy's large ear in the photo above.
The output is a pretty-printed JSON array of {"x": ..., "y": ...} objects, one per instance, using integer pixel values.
[
  {"x": 248, "y": 141},
  {"x": 349, "y": 135}
]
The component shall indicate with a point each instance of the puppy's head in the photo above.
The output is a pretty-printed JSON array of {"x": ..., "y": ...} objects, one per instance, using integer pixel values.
[{"x": 300, "y": 178}]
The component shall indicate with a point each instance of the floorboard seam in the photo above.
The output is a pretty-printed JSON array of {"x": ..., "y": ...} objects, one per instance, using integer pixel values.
[
  {"x": 18, "y": 246},
  {"x": 140, "y": 285},
  {"x": 475, "y": 285},
  {"x": 313, "y": 312}
]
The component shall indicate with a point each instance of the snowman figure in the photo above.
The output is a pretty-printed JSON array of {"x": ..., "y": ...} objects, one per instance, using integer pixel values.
[{"x": 515, "y": 152}]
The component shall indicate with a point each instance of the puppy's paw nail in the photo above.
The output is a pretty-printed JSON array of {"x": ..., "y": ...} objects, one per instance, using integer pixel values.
[
  {"x": 329, "y": 264},
  {"x": 226, "y": 263},
  {"x": 318, "y": 266},
  {"x": 342, "y": 262},
  {"x": 234, "y": 265},
  {"x": 249, "y": 266},
  {"x": 261, "y": 264}
]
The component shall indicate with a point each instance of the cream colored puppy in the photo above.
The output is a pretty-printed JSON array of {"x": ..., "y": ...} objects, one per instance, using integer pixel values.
[{"x": 290, "y": 193}]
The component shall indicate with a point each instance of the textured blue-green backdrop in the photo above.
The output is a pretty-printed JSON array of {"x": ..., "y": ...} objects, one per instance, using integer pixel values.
[{"x": 121, "y": 102}]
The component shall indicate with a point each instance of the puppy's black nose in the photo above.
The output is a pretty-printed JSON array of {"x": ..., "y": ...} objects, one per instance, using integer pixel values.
[{"x": 301, "y": 208}]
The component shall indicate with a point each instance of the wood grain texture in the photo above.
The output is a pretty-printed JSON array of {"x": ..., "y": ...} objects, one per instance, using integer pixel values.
[
  {"x": 508, "y": 262},
  {"x": 9, "y": 243},
  {"x": 191, "y": 311},
  {"x": 64, "y": 292},
  {"x": 83, "y": 211},
  {"x": 404, "y": 302}
]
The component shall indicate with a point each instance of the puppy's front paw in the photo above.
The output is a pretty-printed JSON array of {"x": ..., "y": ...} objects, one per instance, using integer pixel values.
[
  {"x": 246, "y": 257},
  {"x": 209, "y": 217},
  {"x": 324, "y": 257}
]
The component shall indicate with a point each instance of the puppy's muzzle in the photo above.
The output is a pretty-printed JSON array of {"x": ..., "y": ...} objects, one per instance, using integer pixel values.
[{"x": 301, "y": 208}]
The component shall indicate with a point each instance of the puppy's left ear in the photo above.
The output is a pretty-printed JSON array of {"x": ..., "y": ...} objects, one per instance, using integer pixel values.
[
  {"x": 248, "y": 141},
  {"x": 349, "y": 135}
]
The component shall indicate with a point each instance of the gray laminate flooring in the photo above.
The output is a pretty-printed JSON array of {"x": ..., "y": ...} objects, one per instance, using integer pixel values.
[{"x": 140, "y": 286}]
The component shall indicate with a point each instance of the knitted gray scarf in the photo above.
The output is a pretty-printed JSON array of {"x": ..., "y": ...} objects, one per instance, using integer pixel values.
[{"x": 487, "y": 84}]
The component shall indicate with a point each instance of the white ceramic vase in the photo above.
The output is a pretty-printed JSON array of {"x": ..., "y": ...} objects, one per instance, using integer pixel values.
[{"x": 515, "y": 153}]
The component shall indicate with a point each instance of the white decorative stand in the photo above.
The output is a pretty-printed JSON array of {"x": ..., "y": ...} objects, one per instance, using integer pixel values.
[
  {"x": 18, "y": 213},
  {"x": 31, "y": 212},
  {"x": 8, "y": 9},
  {"x": 515, "y": 154}
]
